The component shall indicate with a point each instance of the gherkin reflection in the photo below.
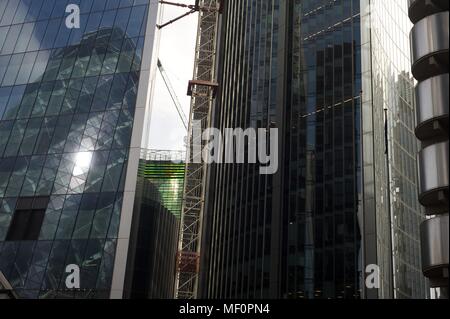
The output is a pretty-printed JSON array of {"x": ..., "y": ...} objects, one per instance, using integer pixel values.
[{"x": 66, "y": 118}]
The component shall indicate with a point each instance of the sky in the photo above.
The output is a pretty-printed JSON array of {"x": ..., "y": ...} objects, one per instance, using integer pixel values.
[{"x": 176, "y": 53}]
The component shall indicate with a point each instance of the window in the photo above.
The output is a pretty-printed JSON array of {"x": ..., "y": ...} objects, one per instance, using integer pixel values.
[
  {"x": 24, "y": 38},
  {"x": 27, "y": 219},
  {"x": 13, "y": 69},
  {"x": 11, "y": 39}
]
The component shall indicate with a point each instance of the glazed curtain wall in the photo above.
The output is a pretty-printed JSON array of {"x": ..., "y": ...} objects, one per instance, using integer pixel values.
[
  {"x": 389, "y": 102},
  {"x": 294, "y": 65},
  {"x": 67, "y": 100}
]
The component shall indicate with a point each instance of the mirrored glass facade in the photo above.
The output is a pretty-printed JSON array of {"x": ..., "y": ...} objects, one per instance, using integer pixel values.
[
  {"x": 389, "y": 103},
  {"x": 156, "y": 225},
  {"x": 322, "y": 72},
  {"x": 67, "y": 108}
]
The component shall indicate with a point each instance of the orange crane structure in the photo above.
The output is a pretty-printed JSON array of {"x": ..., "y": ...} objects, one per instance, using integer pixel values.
[{"x": 202, "y": 90}]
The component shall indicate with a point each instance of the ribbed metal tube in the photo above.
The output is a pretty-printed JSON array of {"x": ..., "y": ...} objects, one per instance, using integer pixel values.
[
  {"x": 429, "y": 54},
  {"x": 419, "y": 9},
  {"x": 429, "y": 46},
  {"x": 432, "y": 107},
  {"x": 435, "y": 249},
  {"x": 433, "y": 174}
]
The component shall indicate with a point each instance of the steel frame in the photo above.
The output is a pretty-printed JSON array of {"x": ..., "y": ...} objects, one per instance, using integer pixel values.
[{"x": 202, "y": 90}]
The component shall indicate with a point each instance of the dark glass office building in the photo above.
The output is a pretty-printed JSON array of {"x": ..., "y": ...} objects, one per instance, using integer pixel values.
[
  {"x": 333, "y": 77},
  {"x": 73, "y": 104},
  {"x": 156, "y": 224}
]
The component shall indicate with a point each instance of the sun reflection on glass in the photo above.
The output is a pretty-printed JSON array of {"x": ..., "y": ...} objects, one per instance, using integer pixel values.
[{"x": 82, "y": 163}]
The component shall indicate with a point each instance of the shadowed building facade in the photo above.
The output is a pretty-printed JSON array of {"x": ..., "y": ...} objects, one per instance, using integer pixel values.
[
  {"x": 333, "y": 77},
  {"x": 156, "y": 224}
]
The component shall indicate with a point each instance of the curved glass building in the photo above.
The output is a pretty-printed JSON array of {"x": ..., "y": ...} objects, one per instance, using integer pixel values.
[
  {"x": 333, "y": 77},
  {"x": 73, "y": 107}
]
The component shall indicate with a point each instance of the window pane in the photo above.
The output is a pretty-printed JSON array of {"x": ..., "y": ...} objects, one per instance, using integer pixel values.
[
  {"x": 39, "y": 66},
  {"x": 26, "y": 68},
  {"x": 13, "y": 69},
  {"x": 24, "y": 38},
  {"x": 30, "y": 136},
  {"x": 33, "y": 11},
  {"x": 4, "y": 98},
  {"x": 14, "y": 102},
  {"x": 38, "y": 34}
]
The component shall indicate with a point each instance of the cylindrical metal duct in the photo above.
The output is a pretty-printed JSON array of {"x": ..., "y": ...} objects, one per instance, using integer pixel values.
[
  {"x": 432, "y": 106},
  {"x": 429, "y": 45},
  {"x": 434, "y": 233},
  {"x": 429, "y": 55}
]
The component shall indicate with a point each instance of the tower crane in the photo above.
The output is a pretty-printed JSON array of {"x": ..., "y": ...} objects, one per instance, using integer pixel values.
[
  {"x": 173, "y": 95},
  {"x": 202, "y": 89}
]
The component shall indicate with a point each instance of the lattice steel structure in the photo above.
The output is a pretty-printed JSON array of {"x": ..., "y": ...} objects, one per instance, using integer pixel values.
[{"x": 202, "y": 90}]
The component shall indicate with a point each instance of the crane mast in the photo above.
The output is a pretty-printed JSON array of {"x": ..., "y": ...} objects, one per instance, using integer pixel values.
[{"x": 202, "y": 90}]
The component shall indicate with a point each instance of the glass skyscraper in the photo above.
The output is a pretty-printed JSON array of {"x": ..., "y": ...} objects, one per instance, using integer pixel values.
[
  {"x": 333, "y": 77},
  {"x": 156, "y": 224},
  {"x": 74, "y": 104}
]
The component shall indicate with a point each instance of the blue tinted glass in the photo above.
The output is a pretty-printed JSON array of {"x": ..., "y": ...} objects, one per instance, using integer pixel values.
[
  {"x": 13, "y": 69},
  {"x": 112, "y": 4},
  {"x": 9, "y": 13},
  {"x": 26, "y": 68},
  {"x": 3, "y": 33},
  {"x": 4, "y": 62},
  {"x": 21, "y": 11},
  {"x": 126, "y": 3},
  {"x": 14, "y": 102},
  {"x": 98, "y": 5},
  {"x": 33, "y": 11},
  {"x": 60, "y": 8},
  {"x": 93, "y": 22},
  {"x": 24, "y": 38},
  {"x": 77, "y": 34},
  {"x": 3, "y": 5},
  {"x": 46, "y": 9},
  {"x": 60, "y": 95},
  {"x": 86, "y": 5},
  {"x": 4, "y": 98},
  {"x": 38, "y": 34},
  {"x": 134, "y": 26},
  {"x": 11, "y": 39},
  {"x": 108, "y": 19},
  {"x": 122, "y": 19},
  {"x": 50, "y": 35}
]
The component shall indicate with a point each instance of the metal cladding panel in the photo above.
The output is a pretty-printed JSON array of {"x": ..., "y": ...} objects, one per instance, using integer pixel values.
[
  {"x": 432, "y": 105},
  {"x": 435, "y": 247},
  {"x": 429, "y": 49},
  {"x": 433, "y": 172}
]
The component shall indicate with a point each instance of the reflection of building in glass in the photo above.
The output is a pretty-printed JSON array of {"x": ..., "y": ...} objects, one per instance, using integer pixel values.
[
  {"x": 391, "y": 105},
  {"x": 6, "y": 291},
  {"x": 406, "y": 211},
  {"x": 323, "y": 73},
  {"x": 69, "y": 101},
  {"x": 156, "y": 222},
  {"x": 165, "y": 170}
]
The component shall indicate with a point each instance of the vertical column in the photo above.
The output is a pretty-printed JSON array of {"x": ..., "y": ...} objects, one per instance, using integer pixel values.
[{"x": 429, "y": 48}]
